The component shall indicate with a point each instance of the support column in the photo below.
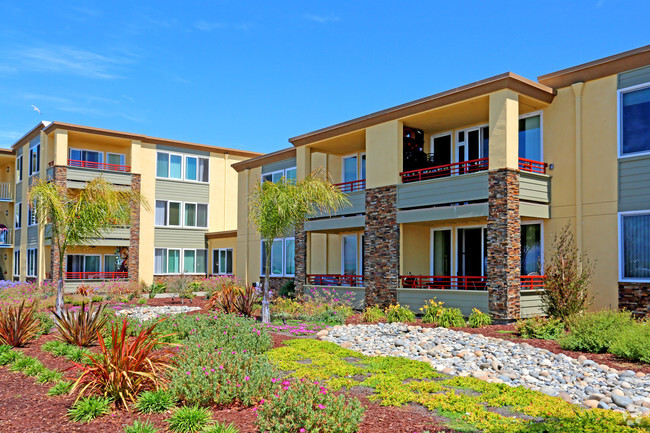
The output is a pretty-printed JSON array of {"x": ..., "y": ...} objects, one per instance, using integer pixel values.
[
  {"x": 134, "y": 238},
  {"x": 382, "y": 246},
  {"x": 59, "y": 178},
  {"x": 300, "y": 276}
]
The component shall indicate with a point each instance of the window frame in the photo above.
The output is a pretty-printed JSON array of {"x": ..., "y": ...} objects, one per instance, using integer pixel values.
[
  {"x": 539, "y": 113},
  {"x": 284, "y": 256},
  {"x": 619, "y": 118},
  {"x": 218, "y": 262},
  {"x": 358, "y": 259},
  {"x": 452, "y": 256},
  {"x": 121, "y": 155},
  {"x": 35, "y": 144},
  {"x": 180, "y": 260},
  {"x": 18, "y": 215},
  {"x": 103, "y": 262},
  {"x": 185, "y": 225},
  {"x": 181, "y": 213},
  {"x": 19, "y": 168},
  {"x": 456, "y": 143},
  {"x": 195, "y": 250},
  {"x": 16, "y": 263},
  {"x": 165, "y": 264},
  {"x": 541, "y": 241},
  {"x": 283, "y": 266},
  {"x": 34, "y": 253},
  {"x": 169, "y": 165},
  {"x": 32, "y": 219},
  {"x": 621, "y": 263},
  {"x": 454, "y": 250},
  {"x": 283, "y": 171}
]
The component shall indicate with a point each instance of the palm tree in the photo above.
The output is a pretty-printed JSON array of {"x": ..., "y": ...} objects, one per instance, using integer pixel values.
[
  {"x": 276, "y": 209},
  {"x": 80, "y": 216}
]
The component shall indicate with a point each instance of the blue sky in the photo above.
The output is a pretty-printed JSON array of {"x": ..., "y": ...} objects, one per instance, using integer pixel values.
[{"x": 252, "y": 74}]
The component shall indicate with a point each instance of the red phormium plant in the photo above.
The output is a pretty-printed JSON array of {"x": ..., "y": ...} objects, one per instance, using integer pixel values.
[
  {"x": 126, "y": 366},
  {"x": 247, "y": 300},
  {"x": 18, "y": 324},
  {"x": 81, "y": 327}
]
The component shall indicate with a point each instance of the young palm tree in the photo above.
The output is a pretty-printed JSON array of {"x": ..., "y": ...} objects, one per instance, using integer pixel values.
[
  {"x": 276, "y": 209},
  {"x": 80, "y": 216}
]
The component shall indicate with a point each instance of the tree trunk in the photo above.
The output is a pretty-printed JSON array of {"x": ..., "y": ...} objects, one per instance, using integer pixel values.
[
  {"x": 266, "y": 302},
  {"x": 59, "y": 296}
]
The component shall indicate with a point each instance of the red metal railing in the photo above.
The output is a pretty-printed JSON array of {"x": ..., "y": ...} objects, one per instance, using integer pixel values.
[
  {"x": 444, "y": 282},
  {"x": 352, "y": 186},
  {"x": 95, "y": 275},
  {"x": 98, "y": 165},
  {"x": 532, "y": 282},
  {"x": 532, "y": 166},
  {"x": 335, "y": 280},
  {"x": 456, "y": 168}
]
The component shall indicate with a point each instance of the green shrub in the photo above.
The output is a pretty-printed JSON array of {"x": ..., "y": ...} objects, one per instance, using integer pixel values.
[
  {"x": 430, "y": 310},
  {"x": 76, "y": 353},
  {"x": 87, "y": 409},
  {"x": 49, "y": 376},
  {"x": 329, "y": 316},
  {"x": 97, "y": 298},
  {"x": 306, "y": 406},
  {"x": 60, "y": 388},
  {"x": 595, "y": 332},
  {"x": 478, "y": 319},
  {"x": 35, "y": 369},
  {"x": 190, "y": 419},
  {"x": 22, "y": 363},
  {"x": 56, "y": 348},
  {"x": 155, "y": 401},
  {"x": 450, "y": 318},
  {"x": 633, "y": 343},
  {"x": 156, "y": 289},
  {"x": 183, "y": 286},
  {"x": 288, "y": 289},
  {"x": 373, "y": 314},
  {"x": 397, "y": 313},
  {"x": 220, "y": 428},
  {"x": 140, "y": 427},
  {"x": 540, "y": 327},
  {"x": 9, "y": 356},
  {"x": 46, "y": 323},
  {"x": 4, "y": 348}
]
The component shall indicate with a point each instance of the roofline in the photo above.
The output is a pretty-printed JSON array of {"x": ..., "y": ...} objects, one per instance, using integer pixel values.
[
  {"x": 268, "y": 158},
  {"x": 221, "y": 235},
  {"x": 507, "y": 80},
  {"x": 604, "y": 67},
  {"x": 128, "y": 135},
  {"x": 7, "y": 151}
]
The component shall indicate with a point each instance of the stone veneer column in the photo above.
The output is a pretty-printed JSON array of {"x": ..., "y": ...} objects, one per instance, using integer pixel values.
[
  {"x": 634, "y": 297},
  {"x": 134, "y": 238},
  {"x": 504, "y": 245},
  {"x": 300, "y": 257},
  {"x": 60, "y": 178},
  {"x": 381, "y": 244}
]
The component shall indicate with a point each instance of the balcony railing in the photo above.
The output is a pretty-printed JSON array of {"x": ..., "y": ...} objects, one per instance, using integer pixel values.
[
  {"x": 532, "y": 166},
  {"x": 6, "y": 236},
  {"x": 335, "y": 280},
  {"x": 446, "y": 170},
  {"x": 532, "y": 282},
  {"x": 352, "y": 186},
  {"x": 444, "y": 282},
  {"x": 6, "y": 191},
  {"x": 95, "y": 275},
  {"x": 99, "y": 165}
]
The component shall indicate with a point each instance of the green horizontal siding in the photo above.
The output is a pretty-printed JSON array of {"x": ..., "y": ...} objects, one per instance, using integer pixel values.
[
  {"x": 357, "y": 205},
  {"x": 182, "y": 191},
  {"x": 474, "y": 210},
  {"x": 17, "y": 235},
  {"x": 464, "y": 300},
  {"x": 184, "y": 150},
  {"x": 634, "y": 183},
  {"x": 454, "y": 189},
  {"x": 357, "y": 294},
  {"x": 634, "y": 77},
  {"x": 535, "y": 187},
  {"x": 534, "y": 210},
  {"x": 32, "y": 237},
  {"x": 77, "y": 174},
  {"x": 179, "y": 238},
  {"x": 279, "y": 165},
  {"x": 19, "y": 192},
  {"x": 341, "y": 223},
  {"x": 530, "y": 302}
]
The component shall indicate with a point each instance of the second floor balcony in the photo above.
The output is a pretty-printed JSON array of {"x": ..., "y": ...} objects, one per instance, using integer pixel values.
[
  {"x": 99, "y": 165},
  {"x": 6, "y": 191}
]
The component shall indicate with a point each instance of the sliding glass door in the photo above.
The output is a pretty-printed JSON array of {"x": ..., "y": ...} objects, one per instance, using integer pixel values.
[
  {"x": 441, "y": 252},
  {"x": 471, "y": 252}
]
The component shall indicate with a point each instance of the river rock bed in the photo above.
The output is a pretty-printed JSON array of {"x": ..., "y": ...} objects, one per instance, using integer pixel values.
[
  {"x": 147, "y": 313},
  {"x": 579, "y": 381}
]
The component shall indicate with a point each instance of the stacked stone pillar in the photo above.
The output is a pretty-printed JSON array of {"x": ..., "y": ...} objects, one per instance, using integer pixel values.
[
  {"x": 134, "y": 238},
  {"x": 300, "y": 278},
  {"x": 59, "y": 178},
  {"x": 381, "y": 259},
  {"x": 504, "y": 245}
]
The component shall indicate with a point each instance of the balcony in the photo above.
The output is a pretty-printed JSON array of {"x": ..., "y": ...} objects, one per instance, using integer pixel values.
[
  {"x": 353, "y": 186},
  {"x": 446, "y": 170},
  {"x": 532, "y": 282},
  {"x": 99, "y": 165},
  {"x": 444, "y": 282},
  {"x": 6, "y": 237},
  {"x": 335, "y": 280},
  {"x": 96, "y": 275},
  {"x": 6, "y": 191},
  {"x": 532, "y": 166}
]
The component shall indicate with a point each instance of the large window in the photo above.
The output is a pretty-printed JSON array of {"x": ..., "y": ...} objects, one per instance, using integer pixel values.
[
  {"x": 19, "y": 215},
  {"x": 530, "y": 137},
  {"x": 170, "y": 166},
  {"x": 110, "y": 262},
  {"x": 176, "y": 261},
  {"x": 287, "y": 173},
  {"x": 194, "y": 261},
  {"x": 31, "y": 216},
  {"x": 19, "y": 168},
  {"x": 87, "y": 264},
  {"x": 160, "y": 261},
  {"x": 16, "y": 263},
  {"x": 196, "y": 215},
  {"x": 168, "y": 213},
  {"x": 282, "y": 257},
  {"x": 173, "y": 261},
  {"x": 441, "y": 252},
  {"x": 634, "y": 120},
  {"x": 222, "y": 261},
  {"x": 634, "y": 240},
  {"x": 32, "y": 262},
  {"x": 531, "y": 249},
  {"x": 34, "y": 156},
  {"x": 85, "y": 158},
  {"x": 350, "y": 255}
]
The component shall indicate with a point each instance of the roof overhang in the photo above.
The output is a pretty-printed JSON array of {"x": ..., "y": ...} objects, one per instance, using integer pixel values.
[
  {"x": 221, "y": 235},
  {"x": 269, "y": 158}
]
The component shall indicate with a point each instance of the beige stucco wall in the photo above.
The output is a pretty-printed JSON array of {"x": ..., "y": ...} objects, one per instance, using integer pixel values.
[
  {"x": 148, "y": 190},
  {"x": 223, "y": 243},
  {"x": 384, "y": 154},
  {"x": 248, "y": 239}
]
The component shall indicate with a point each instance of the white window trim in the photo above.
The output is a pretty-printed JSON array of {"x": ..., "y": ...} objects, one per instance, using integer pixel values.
[
  {"x": 183, "y": 223},
  {"x": 101, "y": 161},
  {"x": 359, "y": 265},
  {"x": 181, "y": 214},
  {"x": 232, "y": 258},
  {"x": 619, "y": 115},
  {"x": 452, "y": 143},
  {"x": 621, "y": 271},
  {"x": 455, "y": 248},
  {"x": 455, "y": 143},
  {"x": 154, "y": 261},
  {"x": 35, "y": 262},
  {"x": 183, "y": 261},
  {"x": 185, "y": 203},
  {"x": 262, "y": 258},
  {"x": 18, "y": 215},
  {"x": 122, "y": 155},
  {"x": 169, "y": 165},
  {"x": 180, "y": 260},
  {"x": 197, "y": 157},
  {"x": 16, "y": 262},
  {"x": 32, "y": 145},
  {"x": 541, "y": 239},
  {"x": 452, "y": 257},
  {"x": 31, "y": 214},
  {"x": 284, "y": 256},
  {"x": 539, "y": 113},
  {"x": 358, "y": 168},
  {"x": 283, "y": 171},
  {"x": 19, "y": 174},
  {"x": 102, "y": 265}
]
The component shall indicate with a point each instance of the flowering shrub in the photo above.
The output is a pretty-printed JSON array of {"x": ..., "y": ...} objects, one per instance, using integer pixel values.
[
  {"x": 296, "y": 329},
  {"x": 14, "y": 292},
  {"x": 120, "y": 289},
  {"x": 478, "y": 319},
  {"x": 431, "y": 309},
  {"x": 304, "y": 406},
  {"x": 321, "y": 305},
  {"x": 217, "y": 283},
  {"x": 373, "y": 314},
  {"x": 397, "y": 313}
]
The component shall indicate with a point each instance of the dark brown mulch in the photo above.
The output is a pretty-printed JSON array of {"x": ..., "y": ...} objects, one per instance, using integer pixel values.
[
  {"x": 279, "y": 339},
  {"x": 553, "y": 346}
]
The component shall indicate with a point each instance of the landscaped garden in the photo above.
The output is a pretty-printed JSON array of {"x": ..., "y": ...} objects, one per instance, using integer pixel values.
[{"x": 99, "y": 368}]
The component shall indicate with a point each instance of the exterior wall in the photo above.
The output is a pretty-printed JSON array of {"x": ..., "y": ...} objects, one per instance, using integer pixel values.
[
  {"x": 146, "y": 152},
  {"x": 384, "y": 154},
  {"x": 456, "y": 189},
  {"x": 531, "y": 303},
  {"x": 248, "y": 239},
  {"x": 222, "y": 243},
  {"x": 134, "y": 240},
  {"x": 415, "y": 251},
  {"x": 464, "y": 300},
  {"x": 634, "y": 297}
]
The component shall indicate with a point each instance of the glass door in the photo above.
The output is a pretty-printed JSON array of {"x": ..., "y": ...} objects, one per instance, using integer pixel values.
[
  {"x": 471, "y": 252},
  {"x": 349, "y": 255},
  {"x": 441, "y": 253},
  {"x": 350, "y": 168},
  {"x": 472, "y": 144}
]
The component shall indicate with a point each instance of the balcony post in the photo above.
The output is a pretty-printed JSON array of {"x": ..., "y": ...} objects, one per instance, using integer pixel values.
[
  {"x": 300, "y": 278},
  {"x": 59, "y": 178},
  {"x": 134, "y": 238}
]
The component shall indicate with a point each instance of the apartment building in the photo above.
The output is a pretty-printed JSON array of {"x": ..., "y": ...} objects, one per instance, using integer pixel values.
[
  {"x": 188, "y": 227},
  {"x": 457, "y": 195}
]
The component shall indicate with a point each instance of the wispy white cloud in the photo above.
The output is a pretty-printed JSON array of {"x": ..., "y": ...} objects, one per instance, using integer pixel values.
[
  {"x": 321, "y": 18},
  {"x": 206, "y": 26},
  {"x": 600, "y": 3},
  {"x": 92, "y": 12},
  {"x": 9, "y": 136},
  {"x": 80, "y": 104}
]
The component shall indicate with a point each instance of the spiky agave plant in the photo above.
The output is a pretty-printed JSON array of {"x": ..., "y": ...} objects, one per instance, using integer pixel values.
[
  {"x": 80, "y": 327},
  {"x": 18, "y": 324}
]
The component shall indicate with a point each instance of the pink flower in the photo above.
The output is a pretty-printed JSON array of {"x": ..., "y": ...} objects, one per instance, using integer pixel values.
[
  {"x": 247, "y": 378},
  {"x": 302, "y": 430},
  {"x": 320, "y": 406}
]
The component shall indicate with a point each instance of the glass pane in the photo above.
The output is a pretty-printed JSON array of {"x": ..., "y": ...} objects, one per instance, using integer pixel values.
[
  {"x": 204, "y": 172},
  {"x": 222, "y": 261},
  {"x": 350, "y": 255},
  {"x": 162, "y": 165},
  {"x": 276, "y": 257},
  {"x": 263, "y": 258},
  {"x": 189, "y": 261},
  {"x": 115, "y": 159},
  {"x": 470, "y": 251},
  {"x": 173, "y": 261},
  {"x": 291, "y": 174},
  {"x": 161, "y": 213},
  {"x": 74, "y": 263},
  {"x": 530, "y": 138},
  {"x": 531, "y": 249},
  {"x": 276, "y": 176},
  {"x": 350, "y": 169},
  {"x": 190, "y": 168},
  {"x": 289, "y": 253},
  {"x": 636, "y": 246},
  {"x": 442, "y": 252},
  {"x": 201, "y": 260},
  {"x": 363, "y": 167},
  {"x": 229, "y": 262},
  {"x": 190, "y": 215},
  {"x": 267, "y": 178},
  {"x": 175, "y": 166},
  {"x": 485, "y": 142},
  {"x": 473, "y": 145},
  {"x": 174, "y": 214},
  {"x": 634, "y": 119},
  {"x": 92, "y": 156},
  {"x": 202, "y": 215},
  {"x": 110, "y": 263},
  {"x": 75, "y": 155},
  {"x": 160, "y": 261},
  {"x": 91, "y": 263}
]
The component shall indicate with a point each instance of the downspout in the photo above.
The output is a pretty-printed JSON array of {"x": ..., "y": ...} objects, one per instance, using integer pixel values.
[
  {"x": 246, "y": 229},
  {"x": 577, "y": 90},
  {"x": 225, "y": 190}
]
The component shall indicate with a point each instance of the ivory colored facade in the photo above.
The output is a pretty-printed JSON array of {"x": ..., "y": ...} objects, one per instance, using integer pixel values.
[
  {"x": 458, "y": 195},
  {"x": 188, "y": 227}
]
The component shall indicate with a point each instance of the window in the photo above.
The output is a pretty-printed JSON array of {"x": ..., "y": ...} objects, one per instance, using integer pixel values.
[
  {"x": 289, "y": 256},
  {"x": 173, "y": 261},
  {"x": 19, "y": 214},
  {"x": 282, "y": 251},
  {"x": 472, "y": 144},
  {"x": 349, "y": 255},
  {"x": 288, "y": 173},
  {"x": 204, "y": 170},
  {"x": 531, "y": 249},
  {"x": 634, "y": 120},
  {"x": 162, "y": 164},
  {"x": 167, "y": 213},
  {"x": 32, "y": 263},
  {"x": 16, "y": 263},
  {"x": 441, "y": 252},
  {"x": 160, "y": 261},
  {"x": 115, "y": 159},
  {"x": 190, "y": 168},
  {"x": 174, "y": 214},
  {"x": 160, "y": 218},
  {"x": 31, "y": 216},
  {"x": 194, "y": 261},
  {"x": 222, "y": 261},
  {"x": 190, "y": 214},
  {"x": 196, "y": 215},
  {"x": 34, "y": 156},
  {"x": 170, "y": 166},
  {"x": 530, "y": 137},
  {"x": 19, "y": 168},
  {"x": 110, "y": 262},
  {"x": 201, "y": 261},
  {"x": 634, "y": 241},
  {"x": 80, "y": 266},
  {"x": 85, "y": 158}
]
